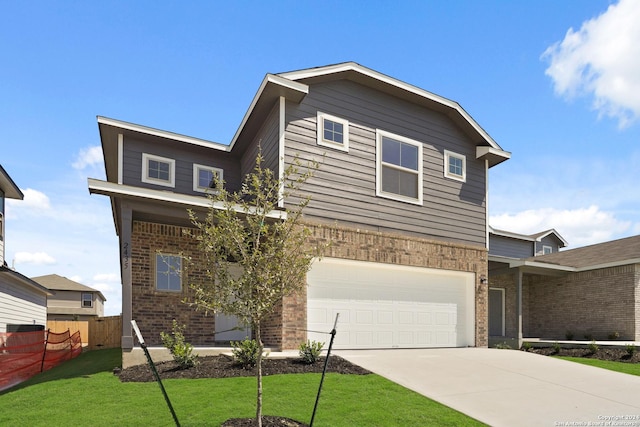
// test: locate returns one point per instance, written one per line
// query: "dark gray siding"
(549, 240)
(343, 190)
(185, 155)
(508, 247)
(267, 139)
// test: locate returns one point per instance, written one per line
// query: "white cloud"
(88, 157)
(34, 202)
(580, 227)
(602, 59)
(38, 258)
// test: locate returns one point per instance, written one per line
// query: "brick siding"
(285, 329)
(591, 304)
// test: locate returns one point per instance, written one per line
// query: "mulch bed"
(223, 366)
(612, 354)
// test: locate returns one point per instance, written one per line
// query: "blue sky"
(557, 83)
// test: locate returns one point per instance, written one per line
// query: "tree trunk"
(259, 375)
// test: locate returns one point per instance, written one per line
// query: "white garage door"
(387, 306)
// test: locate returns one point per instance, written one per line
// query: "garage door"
(387, 306)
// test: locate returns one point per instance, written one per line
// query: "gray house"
(23, 302)
(71, 300)
(401, 194)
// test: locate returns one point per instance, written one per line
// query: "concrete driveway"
(509, 387)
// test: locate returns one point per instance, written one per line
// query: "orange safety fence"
(25, 354)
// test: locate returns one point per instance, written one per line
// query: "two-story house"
(23, 302)
(401, 194)
(71, 300)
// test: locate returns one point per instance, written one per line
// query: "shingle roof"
(613, 252)
(58, 283)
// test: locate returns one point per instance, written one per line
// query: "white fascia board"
(492, 152)
(268, 79)
(511, 235)
(543, 265)
(610, 264)
(162, 133)
(106, 188)
(554, 232)
(352, 66)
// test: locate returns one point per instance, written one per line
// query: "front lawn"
(84, 391)
(623, 367)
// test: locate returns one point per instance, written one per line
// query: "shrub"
(245, 352)
(631, 349)
(588, 336)
(526, 346)
(614, 335)
(568, 335)
(181, 351)
(503, 346)
(593, 347)
(556, 347)
(310, 351)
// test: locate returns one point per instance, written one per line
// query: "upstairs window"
(455, 166)
(158, 170)
(87, 300)
(547, 250)
(206, 178)
(168, 273)
(333, 132)
(398, 167)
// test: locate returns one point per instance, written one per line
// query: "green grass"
(84, 391)
(623, 367)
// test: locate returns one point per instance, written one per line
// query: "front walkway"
(510, 387)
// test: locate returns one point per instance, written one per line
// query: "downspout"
(519, 306)
(125, 262)
(281, 134)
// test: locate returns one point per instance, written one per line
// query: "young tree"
(255, 253)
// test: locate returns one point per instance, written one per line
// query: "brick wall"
(361, 245)
(588, 304)
(285, 329)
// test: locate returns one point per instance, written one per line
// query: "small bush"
(631, 349)
(588, 336)
(245, 352)
(568, 335)
(593, 347)
(503, 346)
(614, 335)
(526, 346)
(556, 347)
(310, 351)
(181, 351)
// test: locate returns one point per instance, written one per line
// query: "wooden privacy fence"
(97, 333)
(105, 332)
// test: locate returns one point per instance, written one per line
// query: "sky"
(556, 83)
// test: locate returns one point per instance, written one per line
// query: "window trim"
(83, 300)
(171, 182)
(379, 165)
(547, 247)
(155, 272)
(196, 177)
(328, 143)
(447, 173)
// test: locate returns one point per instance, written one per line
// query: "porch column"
(125, 263)
(519, 306)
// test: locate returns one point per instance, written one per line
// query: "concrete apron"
(510, 387)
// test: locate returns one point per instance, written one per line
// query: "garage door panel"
(390, 306)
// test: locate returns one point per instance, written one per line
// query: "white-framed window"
(87, 300)
(547, 250)
(398, 167)
(333, 132)
(158, 170)
(168, 272)
(206, 178)
(455, 166)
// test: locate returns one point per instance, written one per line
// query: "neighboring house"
(585, 293)
(23, 302)
(71, 300)
(401, 194)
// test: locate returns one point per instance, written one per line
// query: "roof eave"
(11, 190)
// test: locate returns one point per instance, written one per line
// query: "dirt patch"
(612, 354)
(223, 366)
